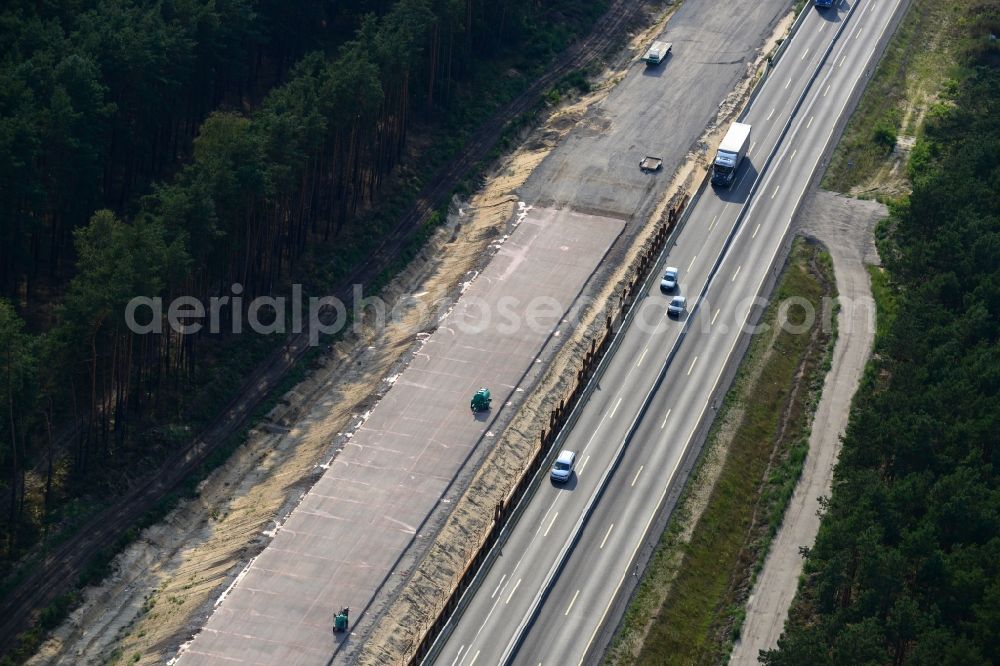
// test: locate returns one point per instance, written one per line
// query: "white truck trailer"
(657, 52)
(732, 150)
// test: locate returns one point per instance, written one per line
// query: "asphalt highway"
(545, 600)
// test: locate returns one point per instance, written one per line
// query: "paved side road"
(845, 226)
(658, 111)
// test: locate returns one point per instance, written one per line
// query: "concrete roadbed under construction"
(342, 541)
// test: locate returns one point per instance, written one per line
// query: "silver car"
(676, 306)
(669, 281)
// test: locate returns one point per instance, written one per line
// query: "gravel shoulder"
(845, 226)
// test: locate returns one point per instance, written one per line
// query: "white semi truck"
(732, 150)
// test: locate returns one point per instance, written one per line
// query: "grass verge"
(689, 605)
(917, 76)
(885, 301)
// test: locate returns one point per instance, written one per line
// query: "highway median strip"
(689, 606)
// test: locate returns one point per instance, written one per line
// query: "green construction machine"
(481, 400)
(340, 620)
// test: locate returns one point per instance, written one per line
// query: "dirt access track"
(845, 226)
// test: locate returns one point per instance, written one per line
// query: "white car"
(676, 306)
(562, 469)
(669, 281)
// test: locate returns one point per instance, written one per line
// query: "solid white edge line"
(737, 339)
(600, 622)
(664, 422)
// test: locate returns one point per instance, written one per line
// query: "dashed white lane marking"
(642, 357)
(691, 368)
(542, 522)
(499, 585)
(626, 573)
(607, 534)
(715, 316)
(636, 477)
(615, 408)
(755, 231)
(509, 597)
(551, 523)
(572, 601)
(736, 273)
(662, 425)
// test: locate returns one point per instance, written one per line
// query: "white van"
(562, 469)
